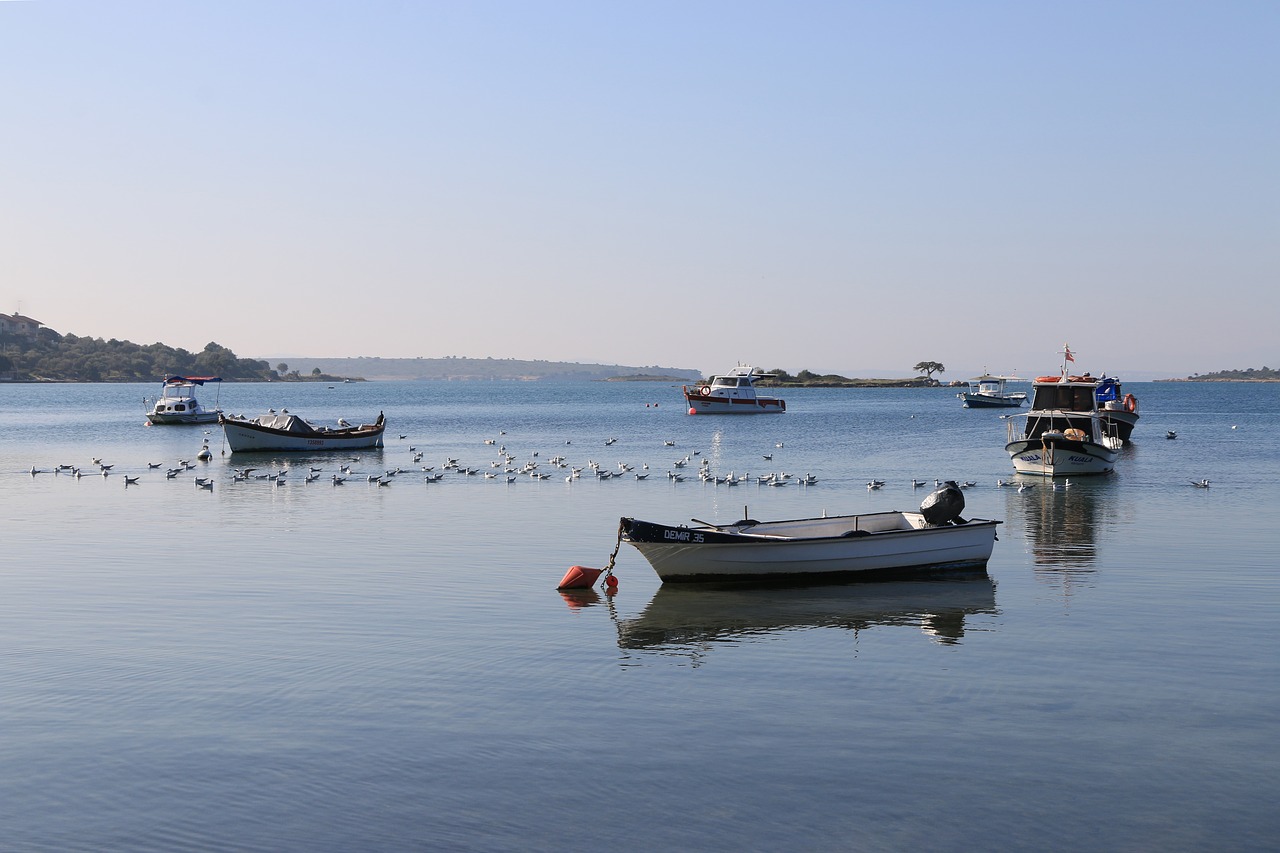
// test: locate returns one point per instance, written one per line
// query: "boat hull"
(1121, 422)
(166, 418)
(247, 436)
(715, 405)
(837, 548)
(1060, 458)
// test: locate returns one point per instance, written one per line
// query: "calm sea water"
(355, 667)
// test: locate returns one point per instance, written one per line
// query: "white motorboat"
(988, 392)
(866, 546)
(289, 432)
(733, 393)
(177, 403)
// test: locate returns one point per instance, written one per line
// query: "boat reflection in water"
(690, 617)
(1065, 526)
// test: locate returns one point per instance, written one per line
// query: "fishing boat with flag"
(1076, 425)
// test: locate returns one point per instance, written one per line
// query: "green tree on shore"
(928, 368)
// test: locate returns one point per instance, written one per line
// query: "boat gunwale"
(748, 538)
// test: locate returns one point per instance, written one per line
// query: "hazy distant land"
(40, 354)
(460, 368)
(1265, 374)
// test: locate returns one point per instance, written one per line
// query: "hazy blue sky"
(845, 186)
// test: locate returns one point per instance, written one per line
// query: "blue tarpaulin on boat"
(1107, 390)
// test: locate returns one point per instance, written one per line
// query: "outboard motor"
(943, 505)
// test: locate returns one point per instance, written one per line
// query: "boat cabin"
(731, 384)
(1066, 396)
(176, 398)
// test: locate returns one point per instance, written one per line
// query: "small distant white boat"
(988, 392)
(289, 432)
(177, 403)
(733, 393)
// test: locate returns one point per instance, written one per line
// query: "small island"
(1263, 374)
(779, 378)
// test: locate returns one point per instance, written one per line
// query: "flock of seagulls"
(509, 469)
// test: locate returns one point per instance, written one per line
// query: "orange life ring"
(705, 391)
(1130, 403)
(1048, 378)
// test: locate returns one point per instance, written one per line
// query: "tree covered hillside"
(49, 356)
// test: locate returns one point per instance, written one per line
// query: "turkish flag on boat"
(1067, 350)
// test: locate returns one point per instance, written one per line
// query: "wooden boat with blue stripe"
(734, 393)
(288, 432)
(841, 547)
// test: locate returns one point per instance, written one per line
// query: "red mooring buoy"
(579, 577)
(612, 583)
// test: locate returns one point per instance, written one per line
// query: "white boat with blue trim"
(988, 392)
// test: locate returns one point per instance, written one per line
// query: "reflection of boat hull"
(681, 615)
(837, 547)
(270, 434)
(1060, 457)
